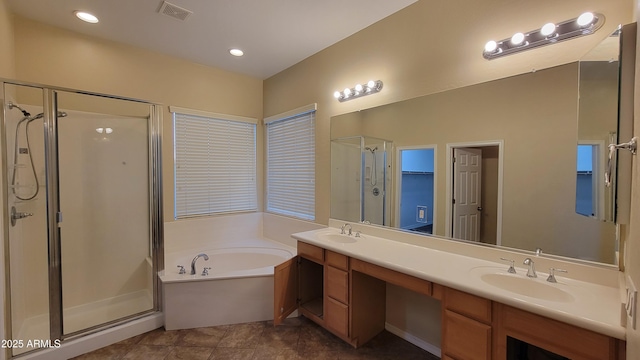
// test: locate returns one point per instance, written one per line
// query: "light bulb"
(517, 38)
(337, 94)
(236, 52)
(85, 16)
(100, 130)
(347, 92)
(490, 46)
(548, 29)
(108, 130)
(371, 84)
(585, 19)
(358, 88)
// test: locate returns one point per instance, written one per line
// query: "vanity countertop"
(595, 306)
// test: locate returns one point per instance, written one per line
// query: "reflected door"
(467, 194)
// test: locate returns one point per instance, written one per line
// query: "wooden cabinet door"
(337, 317)
(285, 295)
(465, 338)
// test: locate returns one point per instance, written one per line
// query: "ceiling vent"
(174, 11)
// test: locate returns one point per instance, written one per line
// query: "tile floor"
(298, 339)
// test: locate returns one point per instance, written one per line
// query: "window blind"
(215, 165)
(291, 165)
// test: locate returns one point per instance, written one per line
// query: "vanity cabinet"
(347, 296)
(551, 335)
(318, 283)
(299, 285)
(337, 293)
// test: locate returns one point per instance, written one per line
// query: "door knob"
(479, 208)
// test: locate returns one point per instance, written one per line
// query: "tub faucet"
(193, 262)
(531, 272)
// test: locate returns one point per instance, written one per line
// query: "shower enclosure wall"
(82, 211)
(360, 179)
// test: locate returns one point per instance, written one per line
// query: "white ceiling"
(274, 34)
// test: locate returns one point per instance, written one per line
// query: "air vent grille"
(174, 11)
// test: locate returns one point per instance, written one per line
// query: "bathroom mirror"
(521, 131)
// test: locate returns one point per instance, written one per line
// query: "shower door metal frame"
(156, 223)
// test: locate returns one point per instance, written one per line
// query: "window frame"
(248, 187)
(299, 209)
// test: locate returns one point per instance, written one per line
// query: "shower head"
(41, 115)
(12, 105)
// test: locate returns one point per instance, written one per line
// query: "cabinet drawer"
(338, 284)
(311, 252)
(337, 260)
(337, 317)
(470, 305)
(466, 338)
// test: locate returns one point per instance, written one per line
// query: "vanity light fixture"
(359, 90)
(236, 52)
(586, 24)
(85, 16)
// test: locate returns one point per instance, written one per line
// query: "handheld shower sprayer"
(28, 119)
(12, 105)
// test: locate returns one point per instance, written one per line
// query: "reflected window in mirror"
(416, 188)
(589, 187)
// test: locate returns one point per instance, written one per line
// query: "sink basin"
(338, 238)
(520, 284)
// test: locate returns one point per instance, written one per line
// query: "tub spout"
(193, 262)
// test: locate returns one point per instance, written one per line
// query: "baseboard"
(430, 348)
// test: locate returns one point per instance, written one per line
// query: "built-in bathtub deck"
(238, 288)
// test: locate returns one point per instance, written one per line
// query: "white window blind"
(215, 165)
(291, 165)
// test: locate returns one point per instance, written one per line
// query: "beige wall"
(632, 233)
(7, 68)
(54, 56)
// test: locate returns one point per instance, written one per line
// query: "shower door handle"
(59, 217)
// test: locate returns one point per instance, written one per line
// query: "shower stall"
(82, 212)
(360, 179)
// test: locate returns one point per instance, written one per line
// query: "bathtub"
(238, 288)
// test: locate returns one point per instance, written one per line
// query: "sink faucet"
(531, 272)
(344, 227)
(193, 262)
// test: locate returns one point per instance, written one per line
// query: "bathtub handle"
(205, 271)
(182, 270)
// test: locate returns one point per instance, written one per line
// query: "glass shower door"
(27, 208)
(104, 196)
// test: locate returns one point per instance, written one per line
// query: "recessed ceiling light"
(236, 52)
(85, 16)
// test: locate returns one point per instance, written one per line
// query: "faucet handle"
(182, 270)
(552, 274)
(512, 270)
(205, 271)
(357, 233)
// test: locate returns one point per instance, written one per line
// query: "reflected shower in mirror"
(359, 172)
